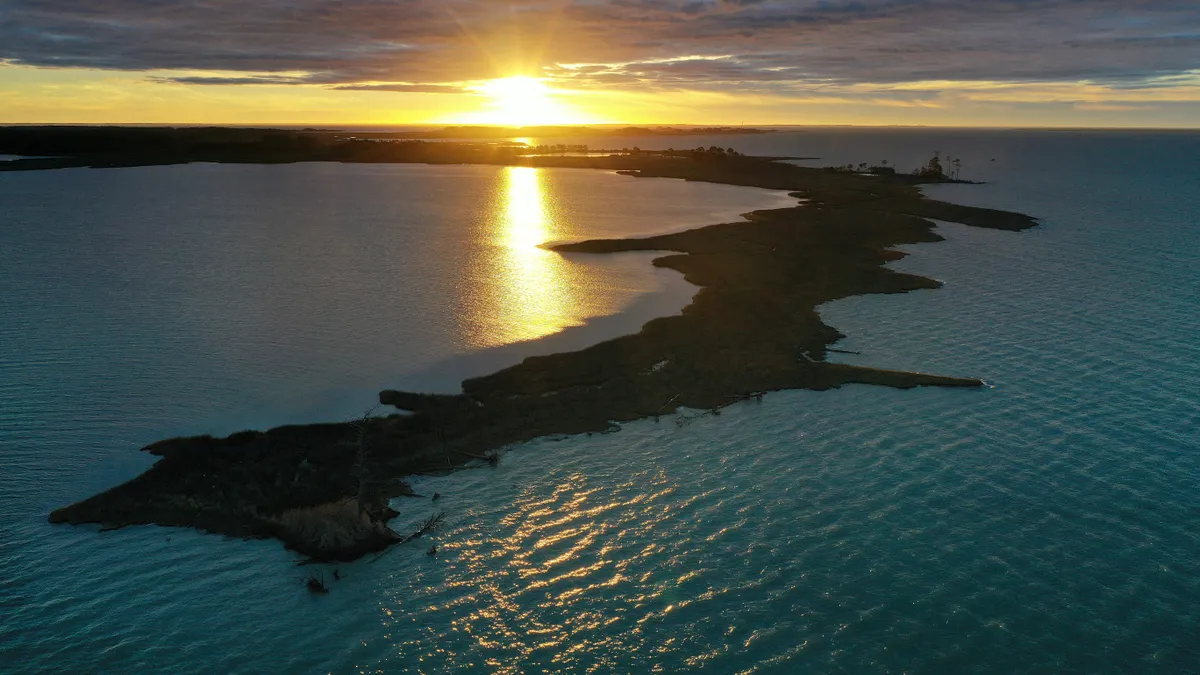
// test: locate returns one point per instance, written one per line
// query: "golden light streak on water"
(512, 290)
(532, 292)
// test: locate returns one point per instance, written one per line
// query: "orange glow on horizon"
(523, 101)
(35, 95)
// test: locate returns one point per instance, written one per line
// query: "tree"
(362, 457)
(933, 169)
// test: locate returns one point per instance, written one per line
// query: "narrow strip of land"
(753, 327)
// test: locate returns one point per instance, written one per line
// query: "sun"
(523, 101)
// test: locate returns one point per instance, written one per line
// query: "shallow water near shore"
(1049, 522)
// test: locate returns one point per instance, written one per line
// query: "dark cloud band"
(429, 45)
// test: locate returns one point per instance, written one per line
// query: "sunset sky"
(877, 62)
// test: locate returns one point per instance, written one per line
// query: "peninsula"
(753, 327)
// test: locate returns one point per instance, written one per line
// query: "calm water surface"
(1048, 523)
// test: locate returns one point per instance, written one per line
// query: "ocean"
(1050, 522)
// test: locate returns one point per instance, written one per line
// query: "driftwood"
(316, 584)
(668, 403)
(426, 527)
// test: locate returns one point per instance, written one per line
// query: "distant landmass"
(563, 131)
(59, 147)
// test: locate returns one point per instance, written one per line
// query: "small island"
(753, 327)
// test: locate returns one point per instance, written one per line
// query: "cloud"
(406, 88)
(220, 80)
(1113, 107)
(778, 46)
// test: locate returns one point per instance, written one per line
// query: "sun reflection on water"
(526, 217)
(554, 581)
(515, 291)
(531, 295)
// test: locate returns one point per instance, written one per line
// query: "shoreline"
(752, 327)
(446, 376)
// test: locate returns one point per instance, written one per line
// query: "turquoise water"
(1047, 523)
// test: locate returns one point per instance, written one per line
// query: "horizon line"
(436, 125)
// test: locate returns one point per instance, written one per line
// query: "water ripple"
(1049, 523)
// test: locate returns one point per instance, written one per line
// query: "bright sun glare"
(523, 101)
